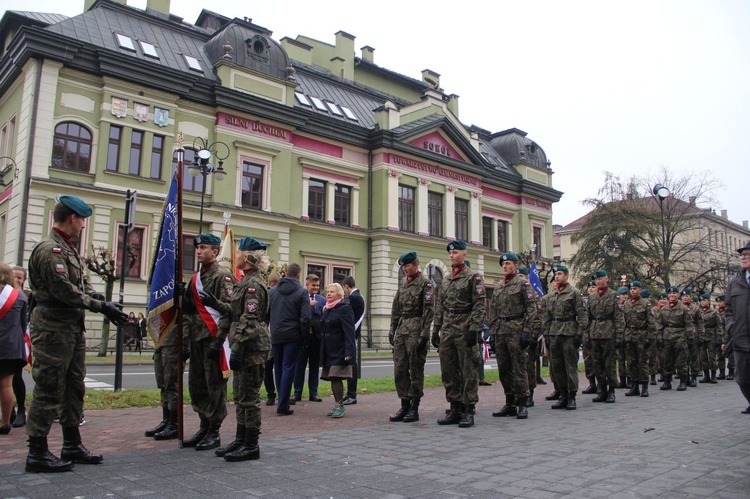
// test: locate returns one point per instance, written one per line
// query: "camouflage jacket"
(460, 307)
(711, 326)
(59, 286)
(639, 320)
(249, 304)
(695, 313)
(564, 314)
(413, 307)
(673, 323)
(219, 282)
(512, 307)
(605, 318)
(725, 336)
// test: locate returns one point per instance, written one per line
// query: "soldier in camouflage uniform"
(694, 356)
(588, 364)
(650, 355)
(604, 331)
(411, 316)
(459, 317)
(622, 358)
(61, 297)
(165, 370)
(658, 352)
(533, 352)
(711, 333)
(640, 333)
(555, 395)
(722, 361)
(564, 322)
(674, 328)
(204, 329)
(512, 315)
(250, 346)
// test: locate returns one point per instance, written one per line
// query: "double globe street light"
(663, 193)
(201, 166)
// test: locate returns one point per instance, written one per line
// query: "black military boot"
(554, 395)
(601, 396)
(571, 406)
(521, 412)
(239, 438)
(164, 421)
(467, 419)
(667, 383)
(628, 382)
(683, 383)
(399, 416)
(721, 374)
(634, 391)
(507, 410)
(562, 403)
(610, 395)
(662, 378)
(706, 377)
(249, 449)
(20, 420)
(692, 381)
(592, 386)
(653, 380)
(41, 460)
(530, 399)
(453, 416)
(730, 374)
(644, 389)
(73, 450)
(170, 432)
(198, 436)
(623, 382)
(412, 414)
(212, 439)
(713, 377)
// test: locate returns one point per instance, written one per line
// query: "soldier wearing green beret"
(694, 357)
(588, 364)
(411, 316)
(62, 295)
(205, 327)
(459, 317)
(723, 362)
(533, 368)
(674, 328)
(512, 317)
(640, 333)
(621, 357)
(711, 334)
(604, 333)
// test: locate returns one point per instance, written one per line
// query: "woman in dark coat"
(337, 344)
(13, 321)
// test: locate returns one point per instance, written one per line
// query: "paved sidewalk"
(698, 447)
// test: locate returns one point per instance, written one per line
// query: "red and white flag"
(210, 317)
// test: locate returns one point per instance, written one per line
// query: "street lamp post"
(201, 166)
(663, 193)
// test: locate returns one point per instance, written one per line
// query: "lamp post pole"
(201, 166)
(204, 174)
(663, 193)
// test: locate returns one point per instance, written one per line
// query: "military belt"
(604, 318)
(410, 315)
(563, 319)
(50, 304)
(675, 325)
(637, 328)
(458, 311)
(510, 318)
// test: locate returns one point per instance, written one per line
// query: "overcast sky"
(619, 86)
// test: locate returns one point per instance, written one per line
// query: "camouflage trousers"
(246, 384)
(588, 364)
(694, 358)
(58, 371)
(408, 366)
(208, 388)
(656, 359)
(532, 359)
(512, 364)
(564, 362)
(165, 370)
(622, 363)
(603, 358)
(708, 356)
(637, 360)
(676, 357)
(458, 368)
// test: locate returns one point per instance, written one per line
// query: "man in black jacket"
(290, 318)
(357, 303)
(738, 322)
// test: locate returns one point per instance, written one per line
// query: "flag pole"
(178, 297)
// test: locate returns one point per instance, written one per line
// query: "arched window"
(72, 147)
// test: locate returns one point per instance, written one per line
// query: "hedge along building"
(337, 163)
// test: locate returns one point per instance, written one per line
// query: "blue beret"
(456, 245)
(599, 273)
(592, 283)
(209, 239)
(720, 298)
(563, 268)
(663, 295)
(673, 289)
(76, 205)
(695, 299)
(408, 257)
(508, 257)
(467, 263)
(523, 270)
(685, 291)
(645, 293)
(705, 296)
(622, 290)
(250, 244)
(636, 284)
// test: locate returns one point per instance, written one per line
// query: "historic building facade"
(337, 163)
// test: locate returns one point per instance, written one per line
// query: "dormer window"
(125, 42)
(302, 99)
(193, 63)
(258, 48)
(149, 50)
(318, 104)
